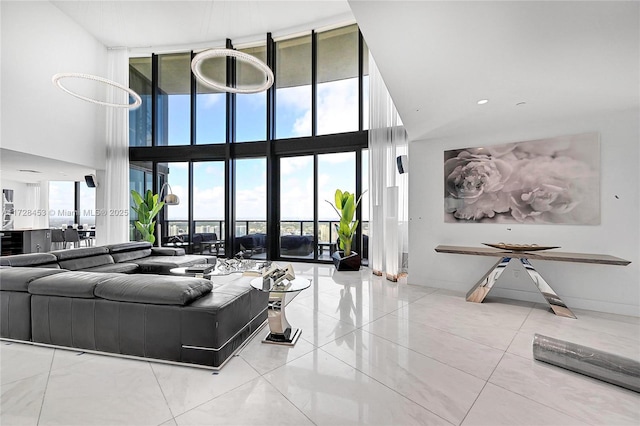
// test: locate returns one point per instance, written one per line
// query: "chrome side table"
(280, 331)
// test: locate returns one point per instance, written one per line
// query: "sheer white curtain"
(388, 240)
(35, 201)
(112, 195)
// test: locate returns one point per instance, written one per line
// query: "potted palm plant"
(345, 205)
(147, 208)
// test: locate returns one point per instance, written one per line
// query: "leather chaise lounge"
(100, 308)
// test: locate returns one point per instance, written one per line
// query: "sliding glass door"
(209, 202)
(335, 171)
(250, 225)
(297, 238)
(307, 221)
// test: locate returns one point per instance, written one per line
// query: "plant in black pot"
(147, 208)
(345, 205)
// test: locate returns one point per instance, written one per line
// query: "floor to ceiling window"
(87, 210)
(209, 198)
(337, 101)
(140, 180)
(61, 203)
(174, 178)
(297, 207)
(255, 169)
(335, 171)
(251, 109)
(293, 87)
(251, 207)
(140, 118)
(211, 104)
(173, 126)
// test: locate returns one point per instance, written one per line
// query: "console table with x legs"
(480, 290)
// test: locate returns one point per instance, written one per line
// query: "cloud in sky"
(208, 202)
(292, 165)
(338, 106)
(252, 203)
(210, 100)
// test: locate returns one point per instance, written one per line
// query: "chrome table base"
(484, 286)
(280, 331)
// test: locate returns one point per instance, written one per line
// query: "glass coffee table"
(280, 331)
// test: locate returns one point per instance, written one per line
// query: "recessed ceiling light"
(521, 103)
(483, 101)
(28, 171)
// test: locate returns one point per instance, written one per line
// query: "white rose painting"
(546, 181)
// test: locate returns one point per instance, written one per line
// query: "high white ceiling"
(564, 59)
(438, 58)
(144, 24)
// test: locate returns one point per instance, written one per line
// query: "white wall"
(39, 41)
(596, 287)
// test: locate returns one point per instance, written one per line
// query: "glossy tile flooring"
(371, 352)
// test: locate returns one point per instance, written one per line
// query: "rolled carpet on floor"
(591, 362)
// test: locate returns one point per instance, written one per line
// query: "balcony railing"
(326, 229)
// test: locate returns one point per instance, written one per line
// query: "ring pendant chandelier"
(137, 100)
(196, 67)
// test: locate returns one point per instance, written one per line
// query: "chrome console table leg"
(557, 305)
(280, 331)
(479, 291)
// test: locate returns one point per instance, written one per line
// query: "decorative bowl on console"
(520, 247)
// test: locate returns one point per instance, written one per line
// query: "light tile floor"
(371, 352)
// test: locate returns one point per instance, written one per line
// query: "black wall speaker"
(403, 164)
(91, 181)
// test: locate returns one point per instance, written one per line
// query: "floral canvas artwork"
(546, 181)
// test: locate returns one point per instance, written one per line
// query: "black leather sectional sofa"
(118, 301)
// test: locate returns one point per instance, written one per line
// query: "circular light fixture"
(196, 65)
(483, 101)
(137, 100)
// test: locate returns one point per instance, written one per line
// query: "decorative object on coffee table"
(244, 266)
(204, 268)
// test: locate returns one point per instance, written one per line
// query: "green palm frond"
(345, 206)
(147, 208)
